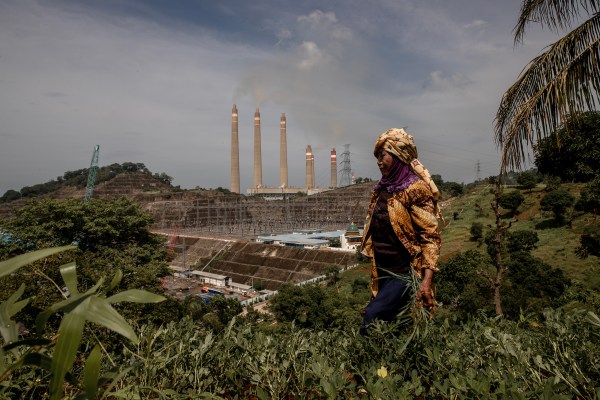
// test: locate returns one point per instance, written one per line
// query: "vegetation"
(562, 81)
(527, 180)
(511, 201)
(572, 152)
(79, 178)
(110, 235)
(448, 189)
(310, 347)
(589, 201)
(590, 242)
(476, 231)
(557, 201)
(56, 357)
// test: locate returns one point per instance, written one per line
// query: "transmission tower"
(478, 171)
(346, 170)
(89, 190)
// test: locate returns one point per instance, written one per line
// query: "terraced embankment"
(248, 262)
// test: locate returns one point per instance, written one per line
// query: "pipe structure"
(309, 168)
(333, 168)
(257, 152)
(235, 152)
(283, 166)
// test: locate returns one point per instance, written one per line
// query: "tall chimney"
(333, 168)
(235, 152)
(257, 154)
(309, 168)
(283, 167)
(312, 169)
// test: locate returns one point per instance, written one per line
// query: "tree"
(110, 234)
(532, 284)
(527, 180)
(10, 195)
(557, 201)
(521, 241)
(562, 80)
(589, 242)
(511, 201)
(589, 200)
(476, 231)
(572, 152)
(453, 189)
(308, 306)
(461, 283)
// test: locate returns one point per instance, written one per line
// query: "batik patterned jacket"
(414, 221)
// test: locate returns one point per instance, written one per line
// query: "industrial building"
(283, 190)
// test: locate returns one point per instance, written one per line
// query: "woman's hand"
(425, 293)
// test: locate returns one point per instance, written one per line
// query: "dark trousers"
(392, 296)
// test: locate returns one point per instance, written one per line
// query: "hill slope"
(556, 246)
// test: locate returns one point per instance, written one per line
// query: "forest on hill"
(79, 178)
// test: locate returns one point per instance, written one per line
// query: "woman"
(401, 228)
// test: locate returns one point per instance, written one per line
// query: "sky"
(154, 82)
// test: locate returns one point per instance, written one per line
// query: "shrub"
(527, 180)
(589, 242)
(557, 201)
(521, 241)
(589, 201)
(511, 201)
(476, 231)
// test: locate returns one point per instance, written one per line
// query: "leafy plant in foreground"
(58, 357)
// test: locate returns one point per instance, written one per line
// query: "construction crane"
(89, 190)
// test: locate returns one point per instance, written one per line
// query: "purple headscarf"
(399, 178)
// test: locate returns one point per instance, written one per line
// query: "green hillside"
(556, 245)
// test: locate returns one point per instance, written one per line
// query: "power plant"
(284, 189)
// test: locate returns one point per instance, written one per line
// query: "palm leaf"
(563, 80)
(556, 14)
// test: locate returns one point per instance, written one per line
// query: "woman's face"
(384, 162)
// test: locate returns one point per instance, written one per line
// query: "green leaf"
(136, 296)
(102, 313)
(11, 265)
(69, 275)
(91, 372)
(37, 359)
(115, 280)
(27, 342)
(65, 305)
(8, 308)
(70, 331)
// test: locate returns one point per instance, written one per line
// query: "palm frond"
(556, 14)
(563, 80)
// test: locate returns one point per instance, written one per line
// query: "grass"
(556, 246)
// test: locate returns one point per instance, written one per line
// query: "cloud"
(438, 82)
(311, 55)
(316, 17)
(478, 23)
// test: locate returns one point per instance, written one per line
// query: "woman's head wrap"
(402, 145)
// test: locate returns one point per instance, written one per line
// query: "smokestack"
(283, 167)
(235, 152)
(257, 154)
(333, 168)
(309, 168)
(312, 169)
